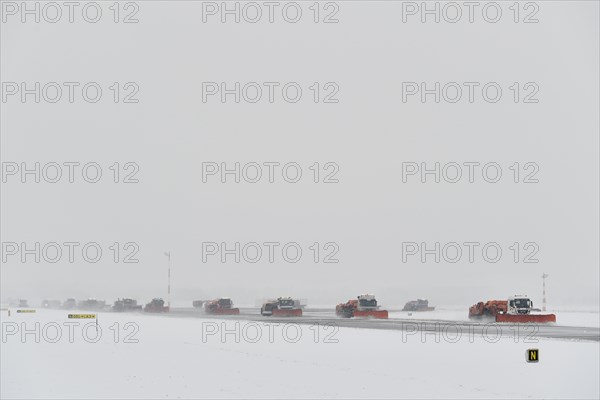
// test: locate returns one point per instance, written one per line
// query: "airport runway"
(490, 331)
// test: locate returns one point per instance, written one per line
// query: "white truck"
(519, 304)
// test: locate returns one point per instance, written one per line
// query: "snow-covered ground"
(190, 358)
(566, 318)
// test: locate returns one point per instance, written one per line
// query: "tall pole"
(168, 254)
(544, 276)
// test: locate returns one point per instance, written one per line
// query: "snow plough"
(91, 304)
(283, 306)
(516, 309)
(222, 306)
(365, 306)
(51, 304)
(70, 304)
(418, 305)
(157, 305)
(125, 304)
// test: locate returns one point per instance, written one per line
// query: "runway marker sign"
(82, 316)
(533, 355)
(85, 316)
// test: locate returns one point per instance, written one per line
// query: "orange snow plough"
(157, 305)
(516, 309)
(364, 307)
(283, 307)
(222, 306)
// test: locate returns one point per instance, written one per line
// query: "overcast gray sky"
(369, 133)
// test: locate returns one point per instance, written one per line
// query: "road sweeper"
(516, 309)
(365, 306)
(222, 306)
(283, 306)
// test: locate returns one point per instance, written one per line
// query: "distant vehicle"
(364, 306)
(126, 304)
(222, 306)
(23, 303)
(157, 305)
(418, 305)
(198, 303)
(51, 304)
(70, 304)
(92, 304)
(283, 306)
(516, 309)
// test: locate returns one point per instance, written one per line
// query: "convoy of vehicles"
(516, 309)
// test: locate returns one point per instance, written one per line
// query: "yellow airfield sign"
(82, 316)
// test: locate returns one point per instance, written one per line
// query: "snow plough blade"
(288, 313)
(378, 314)
(526, 318)
(226, 311)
